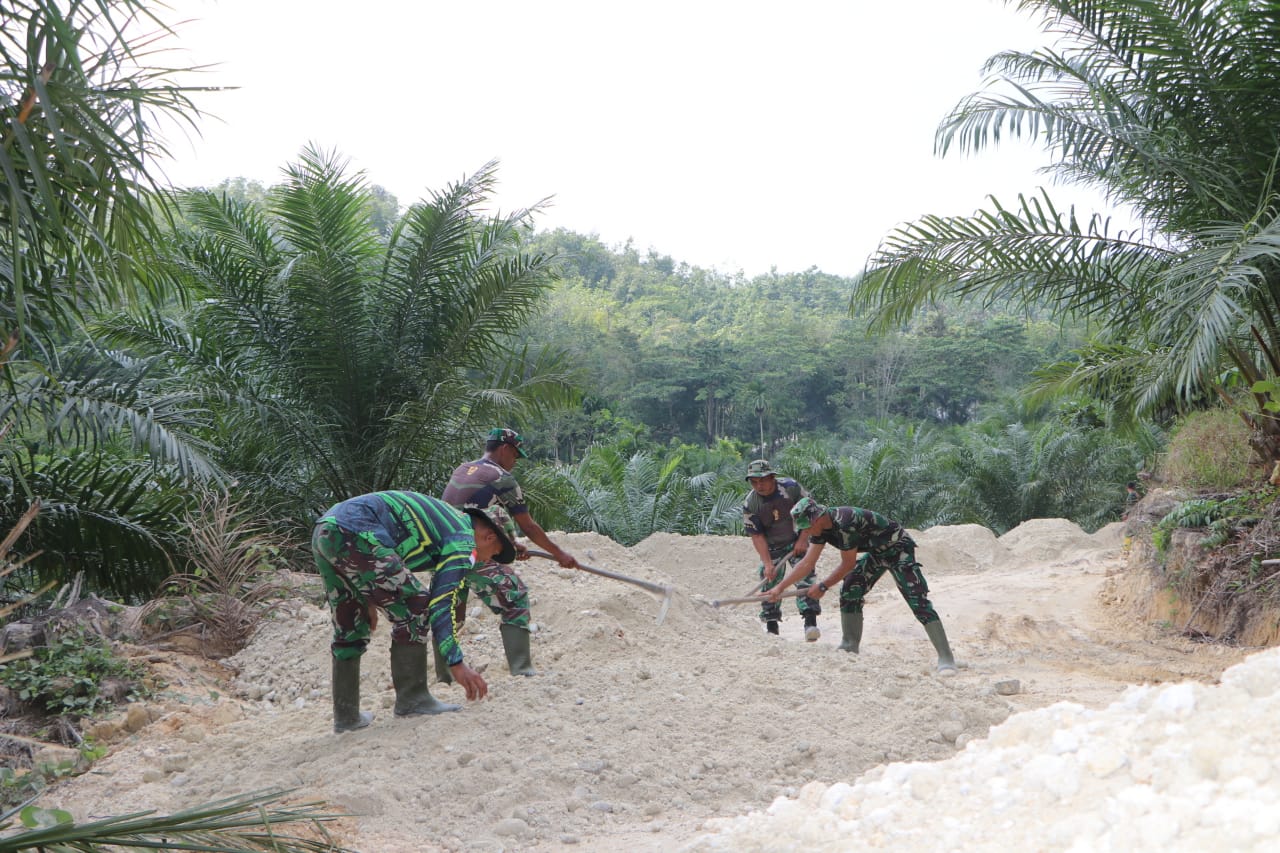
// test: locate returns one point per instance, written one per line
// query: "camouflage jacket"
(482, 483)
(858, 529)
(770, 516)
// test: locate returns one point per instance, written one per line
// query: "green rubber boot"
(442, 667)
(409, 677)
(938, 636)
(515, 642)
(347, 715)
(850, 631)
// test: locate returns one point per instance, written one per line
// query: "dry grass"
(1210, 450)
(233, 578)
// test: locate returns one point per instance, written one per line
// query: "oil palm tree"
(1171, 108)
(79, 101)
(83, 85)
(343, 362)
(629, 497)
(894, 472)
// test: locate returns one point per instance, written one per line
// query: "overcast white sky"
(734, 135)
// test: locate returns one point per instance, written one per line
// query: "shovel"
(660, 590)
(748, 599)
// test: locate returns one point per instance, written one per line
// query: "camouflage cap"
(502, 435)
(500, 520)
(760, 468)
(805, 511)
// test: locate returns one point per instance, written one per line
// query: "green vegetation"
(67, 676)
(1170, 108)
(243, 824)
(1210, 450)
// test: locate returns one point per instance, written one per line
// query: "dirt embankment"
(636, 734)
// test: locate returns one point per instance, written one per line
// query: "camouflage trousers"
(900, 562)
(771, 611)
(359, 571)
(502, 591)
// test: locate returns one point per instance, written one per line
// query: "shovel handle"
(748, 599)
(605, 573)
(777, 564)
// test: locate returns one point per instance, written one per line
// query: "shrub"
(1209, 450)
(69, 675)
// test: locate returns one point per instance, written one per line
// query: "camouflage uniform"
(770, 517)
(482, 483)
(886, 547)
(366, 550)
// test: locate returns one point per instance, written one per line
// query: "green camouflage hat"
(500, 520)
(502, 435)
(759, 468)
(805, 511)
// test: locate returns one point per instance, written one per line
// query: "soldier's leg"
(351, 629)
(809, 608)
(770, 611)
(380, 577)
(507, 596)
(908, 575)
(338, 560)
(853, 593)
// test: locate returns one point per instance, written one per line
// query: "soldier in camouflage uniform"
(766, 517)
(487, 482)
(869, 545)
(366, 550)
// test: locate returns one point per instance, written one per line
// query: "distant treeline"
(685, 354)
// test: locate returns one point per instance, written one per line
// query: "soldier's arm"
(534, 531)
(798, 571)
(848, 559)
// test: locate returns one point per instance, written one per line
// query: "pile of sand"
(1044, 539)
(1184, 767)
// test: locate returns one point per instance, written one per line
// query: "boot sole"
(443, 709)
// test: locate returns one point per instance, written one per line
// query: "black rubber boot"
(347, 715)
(811, 630)
(515, 642)
(771, 626)
(938, 636)
(850, 631)
(442, 667)
(409, 677)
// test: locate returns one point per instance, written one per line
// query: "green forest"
(274, 349)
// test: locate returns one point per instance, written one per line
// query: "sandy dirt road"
(636, 734)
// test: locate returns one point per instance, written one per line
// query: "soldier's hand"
(371, 613)
(770, 573)
(568, 561)
(470, 680)
(522, 551)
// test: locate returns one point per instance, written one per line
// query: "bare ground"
(637, 733)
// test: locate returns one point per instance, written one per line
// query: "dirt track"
(636, 734)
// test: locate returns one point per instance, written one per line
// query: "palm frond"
(249, 823)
